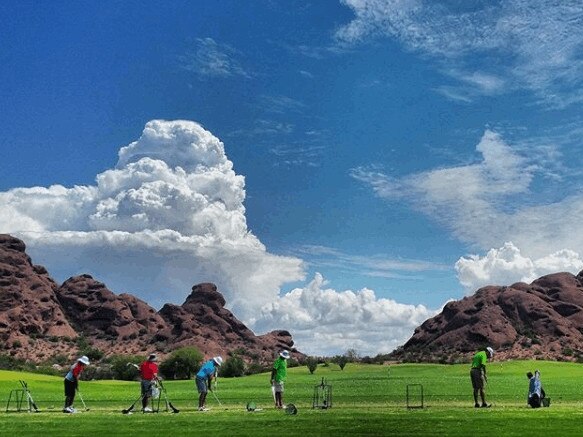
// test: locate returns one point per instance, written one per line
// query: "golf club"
(168, 403)
(129, 410)
(29, 396)
(220, 403)
(82, 401)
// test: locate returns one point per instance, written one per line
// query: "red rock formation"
(29, 309)
(540, 320)
(204, 316)
(38, 319)
(118, 324)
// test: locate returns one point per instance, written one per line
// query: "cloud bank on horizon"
(171, 214)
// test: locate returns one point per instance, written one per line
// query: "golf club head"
(128, 410)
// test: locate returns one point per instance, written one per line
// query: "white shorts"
(278, 387)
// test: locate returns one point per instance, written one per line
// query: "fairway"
(367, 400)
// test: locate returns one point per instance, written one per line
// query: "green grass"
(367, 400)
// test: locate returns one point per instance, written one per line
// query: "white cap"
(284, 354)
(490, 351)
(84, 360)
(218, 360)
(152, 357)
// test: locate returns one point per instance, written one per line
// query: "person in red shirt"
(72, 382)
(149, 374)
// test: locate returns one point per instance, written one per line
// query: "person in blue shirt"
(536, 392)
(204, 377)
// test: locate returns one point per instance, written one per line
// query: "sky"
(339, 168)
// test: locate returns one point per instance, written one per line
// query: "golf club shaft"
(133, 405)
(220, 403)
(82, 401)
(168, 403)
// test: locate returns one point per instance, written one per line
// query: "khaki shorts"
(278, 387)
(477, 377)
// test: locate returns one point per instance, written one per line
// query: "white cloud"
(488, 203)
(280, 104)
(326, 321)
(171, 215)
(507, 265)
(374, 265)
(211, 59)
(297, 155)
(533, 44)
(168, 216)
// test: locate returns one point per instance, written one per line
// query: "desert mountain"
(40, 319)
(543, 320)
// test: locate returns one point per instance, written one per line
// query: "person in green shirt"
(478, 375)
(278, 374)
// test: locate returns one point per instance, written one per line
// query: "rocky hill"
(40, 319)
(541, 320)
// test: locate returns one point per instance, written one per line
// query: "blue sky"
(377, 157)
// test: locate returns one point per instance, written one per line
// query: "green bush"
(122, 367)
(255, 368)
(92, 353)
(340, 360)
(10, 363)
(312, 364)
(183, 363)
(232, 367)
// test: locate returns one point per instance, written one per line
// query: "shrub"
(255, 368)
(183, 363)
(122, 368)
(232, 367)
(59, 359)
(312, 364)
(340, 360)
(292, 362)
(92, 353)
(10, 363)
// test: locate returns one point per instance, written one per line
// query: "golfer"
(478, 375)
(278, 375)
(204, 377)
(149, 374)
(72, 383)
(536, 392)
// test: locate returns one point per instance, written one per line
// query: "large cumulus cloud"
(171, 214)
(506, 265)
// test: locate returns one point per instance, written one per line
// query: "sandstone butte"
(40, 319)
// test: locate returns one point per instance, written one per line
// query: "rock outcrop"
(40, 319)
(543, 320)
